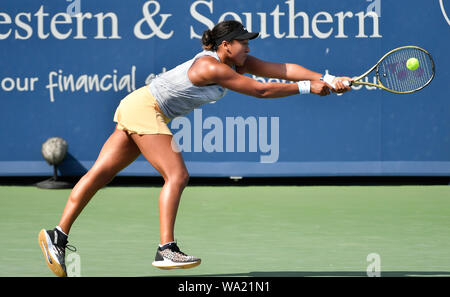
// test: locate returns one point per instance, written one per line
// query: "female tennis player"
(142, 119)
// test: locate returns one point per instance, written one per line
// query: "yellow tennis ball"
(412, 64)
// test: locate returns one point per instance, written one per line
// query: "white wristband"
(304, 87)
(328, 78)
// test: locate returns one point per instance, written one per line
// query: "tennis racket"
(393, 75)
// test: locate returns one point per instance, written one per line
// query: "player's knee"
(180, 178)
(101, 176)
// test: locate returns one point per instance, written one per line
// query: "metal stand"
(53, 182)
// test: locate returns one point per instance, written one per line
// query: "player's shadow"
(328, 274)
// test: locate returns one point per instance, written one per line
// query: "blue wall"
(361, 133)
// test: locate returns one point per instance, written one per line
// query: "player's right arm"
(287, 71)
(208, 70)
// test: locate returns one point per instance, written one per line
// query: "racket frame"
(380, 85)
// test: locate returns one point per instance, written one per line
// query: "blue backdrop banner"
(66, 65)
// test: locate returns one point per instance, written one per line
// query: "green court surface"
(239, 231)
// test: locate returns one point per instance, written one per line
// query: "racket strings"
(394, 74)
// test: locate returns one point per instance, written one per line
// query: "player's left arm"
(286, 71)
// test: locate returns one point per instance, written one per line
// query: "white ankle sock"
(59, 228)
(161, 245)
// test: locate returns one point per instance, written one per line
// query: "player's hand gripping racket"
(403, 70)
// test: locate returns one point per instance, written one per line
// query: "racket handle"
(345, 82)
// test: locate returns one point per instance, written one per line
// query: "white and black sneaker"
(53, 244)
(169, 256)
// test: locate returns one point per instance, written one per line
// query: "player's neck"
(224, 58)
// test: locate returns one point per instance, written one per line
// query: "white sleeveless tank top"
(177, 95)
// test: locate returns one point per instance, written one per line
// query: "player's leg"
(157, 149)
(118, 152)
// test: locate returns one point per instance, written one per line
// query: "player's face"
(239, 50)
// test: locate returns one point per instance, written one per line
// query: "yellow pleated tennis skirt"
(139, 113)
